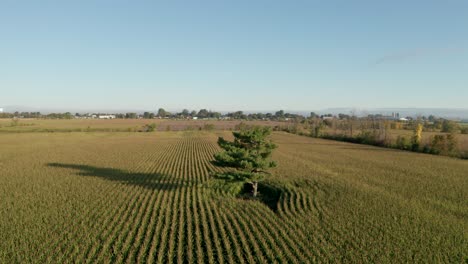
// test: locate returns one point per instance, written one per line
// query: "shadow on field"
(153, 181)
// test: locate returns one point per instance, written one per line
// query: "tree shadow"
(152, 181)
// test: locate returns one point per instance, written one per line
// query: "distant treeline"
(374, 130)
(163, 114)
(208, 114)
(430, 123)
(37, 115)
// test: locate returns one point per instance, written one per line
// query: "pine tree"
(249, 154)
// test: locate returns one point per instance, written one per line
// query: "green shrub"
(316, 130)
(449, 126)
(438, 144)
(464, 154)
(444, 145)
(402, 143)
(208, 127)
(149, 127)
(241, 126)
(14, 122)
(366, 137)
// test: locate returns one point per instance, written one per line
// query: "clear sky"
(229, 55)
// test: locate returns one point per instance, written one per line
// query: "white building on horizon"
(106, 116)
(1, 110)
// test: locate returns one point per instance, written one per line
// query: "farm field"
(146, 197)
(132, 125)
(119, 125)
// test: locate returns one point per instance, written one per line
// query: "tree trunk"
(255, 188)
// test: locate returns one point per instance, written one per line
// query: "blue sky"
(229, 55)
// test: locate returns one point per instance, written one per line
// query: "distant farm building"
(1, 110)
(106, 117)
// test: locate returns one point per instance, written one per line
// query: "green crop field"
(149, 197)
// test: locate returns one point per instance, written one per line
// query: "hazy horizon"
(456, 113)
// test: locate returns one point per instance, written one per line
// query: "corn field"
(146, 198)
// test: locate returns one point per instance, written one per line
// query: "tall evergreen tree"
(249, 154)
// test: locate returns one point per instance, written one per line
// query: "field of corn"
(119, 125)
(146, 197)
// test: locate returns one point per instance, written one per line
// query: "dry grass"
(123, 125)
(128, 197)
(462, 139)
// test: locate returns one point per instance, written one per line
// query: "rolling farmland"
(146, 197)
